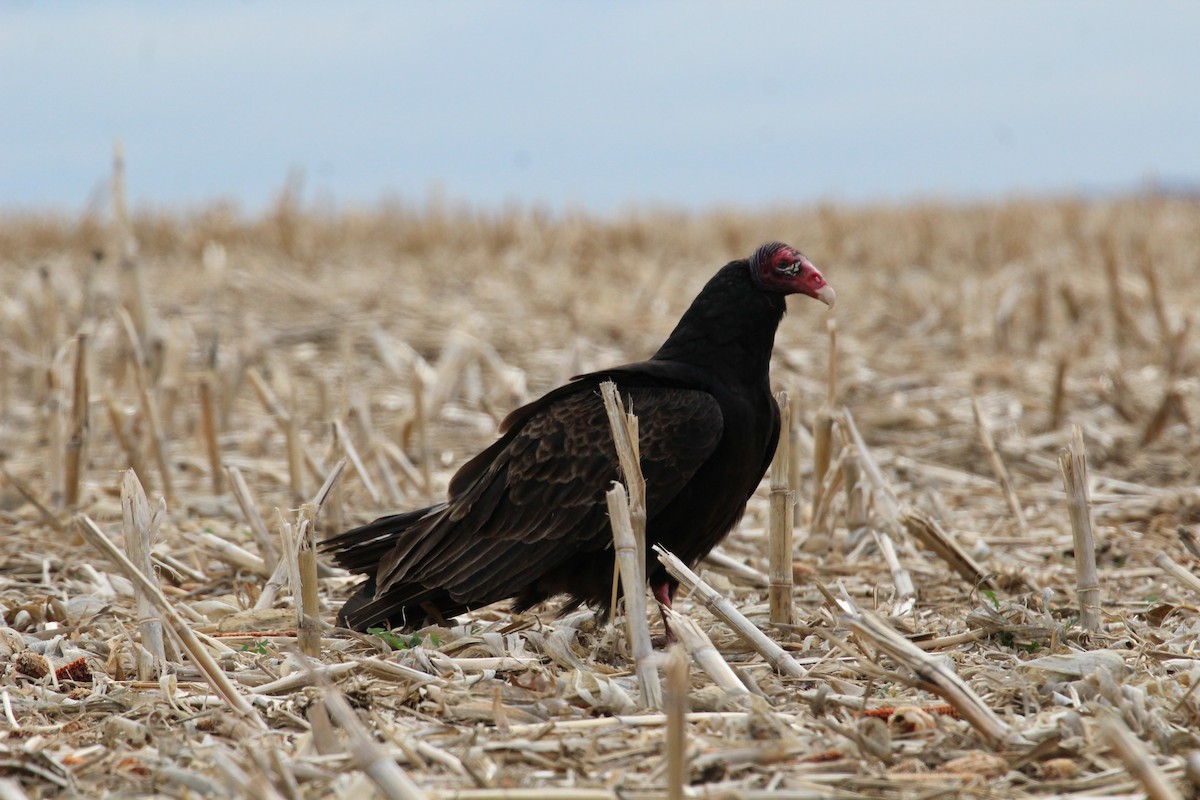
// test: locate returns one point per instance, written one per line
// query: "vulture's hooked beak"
(826, 295)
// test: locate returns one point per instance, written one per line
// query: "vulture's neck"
(729, 328)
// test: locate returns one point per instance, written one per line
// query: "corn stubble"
(935, 489)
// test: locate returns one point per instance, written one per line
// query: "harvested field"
(235, 364)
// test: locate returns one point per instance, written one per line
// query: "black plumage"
(526, 518)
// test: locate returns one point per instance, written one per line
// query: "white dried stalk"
(321, 498)
(140, 529)
(425, 751)
(839, 605)
(322, 495)
(290, 562)
(779, 525)
(212, 672)
(901, 578)
(177, 567)
(11, 790)
(1181, 574)
(705, 654)
(270, 591)
(232, 554)
(625, 437)
(935, 675)
(724, 609)
(637, 627)
(1073, 463)
(998, 467)
(721, 562)
(447, 663)
(309, 677)
(266, 546)
(1136, 760)
(676, 707)
(339, 432)
(628, 519)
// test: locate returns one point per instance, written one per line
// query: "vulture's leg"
(662, 593)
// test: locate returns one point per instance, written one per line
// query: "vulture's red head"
(778, 268)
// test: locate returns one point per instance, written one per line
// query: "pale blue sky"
(595, 105)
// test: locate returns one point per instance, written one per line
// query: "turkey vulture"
(527, 518)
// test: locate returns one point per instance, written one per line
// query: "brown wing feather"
(538, 499)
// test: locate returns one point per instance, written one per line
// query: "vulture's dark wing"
(536, 497)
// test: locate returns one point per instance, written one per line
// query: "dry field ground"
(233, 364)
